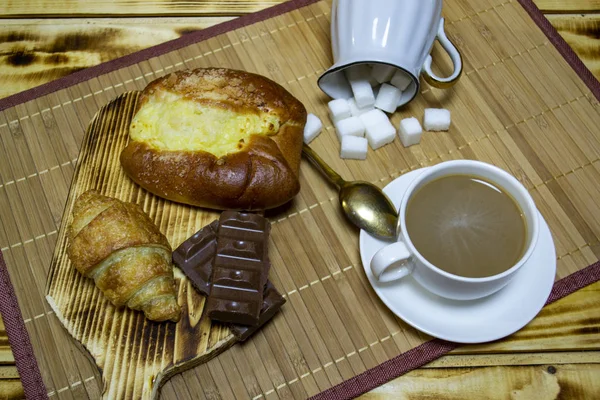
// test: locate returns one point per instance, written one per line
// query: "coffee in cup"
(464, 230)
(466, 225)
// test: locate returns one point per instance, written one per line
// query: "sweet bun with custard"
(216, 138)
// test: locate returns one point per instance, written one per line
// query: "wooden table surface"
(556, 356)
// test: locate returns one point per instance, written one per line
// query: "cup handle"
(433, 79)
(393, 255)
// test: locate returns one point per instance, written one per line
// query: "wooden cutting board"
(134, 355)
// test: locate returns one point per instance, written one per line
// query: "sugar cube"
(312, 128)
(388, 98)
(354, 147)
(363, 93)
(352, 126)
(358, 76)
(401, 79)
(378, 128)
(382, 72)
(374, 117)
(436, 119)
(410, 131)
(380, 134)
(354, 108)
(338, 110)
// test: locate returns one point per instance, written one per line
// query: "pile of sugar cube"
(361, 121)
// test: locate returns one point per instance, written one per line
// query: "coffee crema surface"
(466, 226)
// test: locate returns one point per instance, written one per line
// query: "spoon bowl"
(366, 208)
(363, 203)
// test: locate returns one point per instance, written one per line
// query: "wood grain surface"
(82, 8)
(582, 32)
(10, 385)
(135, 355)
(34, 51)
(568, 6)
(539, 382)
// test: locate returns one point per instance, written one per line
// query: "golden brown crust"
(130, 271)
(119, 226)
(120, 247)
(86, 208)
(256, 178)
(262, 173)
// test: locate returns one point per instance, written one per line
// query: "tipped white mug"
(401, 259)
(399, 33)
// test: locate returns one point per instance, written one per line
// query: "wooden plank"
(568, 6)
(79, 8)
(515, 359)
(581, 33)
(33, 52)
(6, 356)
(10, 384)
(543, 382)
(129, 350)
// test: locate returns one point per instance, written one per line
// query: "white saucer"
(473, 321)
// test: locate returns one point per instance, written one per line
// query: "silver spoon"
(365, 205)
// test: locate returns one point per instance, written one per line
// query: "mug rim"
(402, 235)
(339, 67)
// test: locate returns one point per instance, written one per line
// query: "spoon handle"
(333, 176)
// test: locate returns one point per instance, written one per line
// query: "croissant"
(118, 246)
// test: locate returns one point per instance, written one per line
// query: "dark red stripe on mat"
(574, 282)
(33, 385)
(388, 370)
(154, 51)
(563, 47)
(436, 348)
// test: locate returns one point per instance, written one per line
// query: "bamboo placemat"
(519, 105)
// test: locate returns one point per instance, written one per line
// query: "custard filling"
(172, 122)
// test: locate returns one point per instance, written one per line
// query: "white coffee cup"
(399, 33)
(401, 259)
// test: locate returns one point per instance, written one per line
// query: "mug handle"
(394, 254)
(430, 77)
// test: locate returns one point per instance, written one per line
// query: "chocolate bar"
(195, 256)
(272, 302)
(240, 269)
